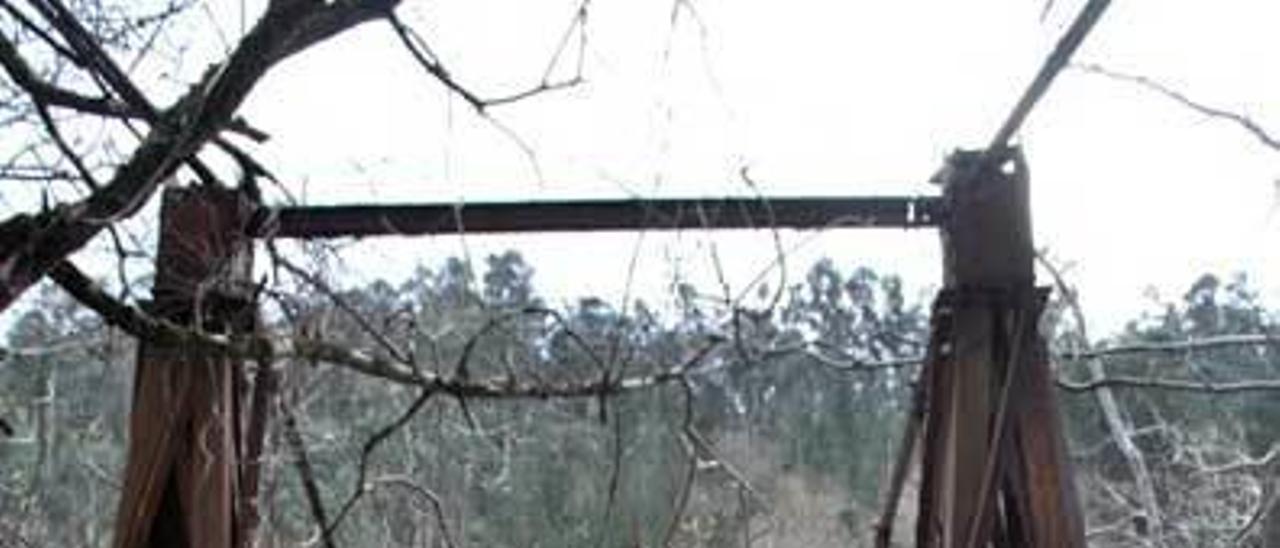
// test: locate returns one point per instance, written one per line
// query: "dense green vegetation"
(771, 442)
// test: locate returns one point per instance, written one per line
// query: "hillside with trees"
(184, 365)
(783, 437)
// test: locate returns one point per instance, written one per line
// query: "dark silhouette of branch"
(32, 244)
(26, 23)
(46, 94)
(306, 474)
(681, 502)
(362, 487)
(615, 465)
(1249, 125)
(427, 59)
(541, 88)
(432, 64)
(92, 55)
(51, 127)
(24, 77)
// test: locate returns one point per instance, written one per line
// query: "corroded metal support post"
(181, 475)
(995, 465)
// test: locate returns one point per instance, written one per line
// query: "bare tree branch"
(50, 95)
(1249, 125)
(91, 53)
(1173, 347)
(32, 244)
(1117, 420)
(422, 53)
(27, 23)
(681, 502)
(361, 321)
(1175, 385)
(24, 76)
(306, 474)
(310, 350)
(363, 487)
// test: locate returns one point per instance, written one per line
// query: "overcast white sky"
(815, 97)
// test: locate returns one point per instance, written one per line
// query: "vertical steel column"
(180, 477)
(995, 466)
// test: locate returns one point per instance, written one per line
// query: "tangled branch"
(308, 349)
(33, 244)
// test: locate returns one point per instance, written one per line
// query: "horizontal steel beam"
(597, 215)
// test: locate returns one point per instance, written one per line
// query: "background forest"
(466, 405)
(782, 438)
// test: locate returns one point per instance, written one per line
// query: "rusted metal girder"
(180, 476)
(995, 467)
(597, 215)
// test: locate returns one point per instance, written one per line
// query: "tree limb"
(32, 244)
(1176, 385)
(1172, 347)
(311, 350)
(25, 77)
(306, 473)
(1249, 125)
(1115, 416)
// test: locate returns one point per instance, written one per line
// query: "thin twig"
(363, 487)
(615, 470)
(686, 486)
(421, 52)
(312, 350)
(36, 243)
(306, 474)
(418, 48)
(1249, 125)
(362, 322)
